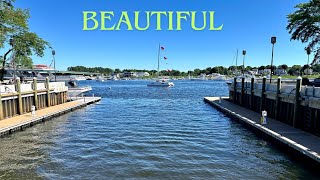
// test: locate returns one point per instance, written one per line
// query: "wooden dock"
(295, 140)
(20, 122)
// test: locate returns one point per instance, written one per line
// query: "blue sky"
(248, 24)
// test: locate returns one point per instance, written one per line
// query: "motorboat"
(74, 90)
(218, 77)
(202, 77)
(161, 83)
(101, 79)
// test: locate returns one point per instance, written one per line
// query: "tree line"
(293, 70)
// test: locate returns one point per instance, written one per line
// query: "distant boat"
(88, 78)
(114, 78)
(77, 77)
(202, 77)
(101, 79)
(218, 77)
(160, 82)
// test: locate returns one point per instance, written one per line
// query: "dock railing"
(19, 98)
(285, 100)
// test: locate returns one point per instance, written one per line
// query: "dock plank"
(306, 143)
(10, 124)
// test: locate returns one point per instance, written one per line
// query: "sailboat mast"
(159, 60)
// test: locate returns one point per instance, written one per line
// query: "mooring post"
(235, 90)
(263, 91)
(48, 92)
(277, 109)
(35, 93)
(18, 83)
(242, 91)
(252, 93)
(1, 110)
(297, 102)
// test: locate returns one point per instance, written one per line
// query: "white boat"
(78, 77)
(202, 77)
(114, 78)
(218, 77)
(74, 90)
(101, 79)
(160, 82)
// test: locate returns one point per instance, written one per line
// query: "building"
(135, 74)
(42, 67)
(264, 71)
(310, 71)
(128, 74)
(280, 72)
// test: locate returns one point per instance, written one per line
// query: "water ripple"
(137, 132)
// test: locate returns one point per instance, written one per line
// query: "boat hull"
(160, 84)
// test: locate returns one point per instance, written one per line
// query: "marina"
(164, 95)
(126, 136)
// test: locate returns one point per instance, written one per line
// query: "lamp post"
(244, 52)
(273, 41)
(54, 65)
(308, 52)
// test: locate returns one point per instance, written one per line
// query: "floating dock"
(20, 122)
(304, 144)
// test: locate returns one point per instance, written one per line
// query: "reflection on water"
(143, 132)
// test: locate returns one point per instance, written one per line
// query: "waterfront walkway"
(16, 123)
(301, 141)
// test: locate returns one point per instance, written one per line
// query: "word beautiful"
(172, 20)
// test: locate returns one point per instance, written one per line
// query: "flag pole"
(159, 61)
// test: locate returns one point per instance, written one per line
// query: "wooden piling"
(1, 110)
(242, 91)
(20, 107)
(48, 92)
(252, 94)
(277, 108)
(35, 93)
(263, 94)
(235, 90)
(297, 102)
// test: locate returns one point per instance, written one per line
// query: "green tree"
(261, 68)
(196, 72)
(14, 26)
(304, 26)
(283, 66)
(316, 68)
(248, 68)
(295, 69)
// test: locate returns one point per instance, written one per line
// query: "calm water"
(146, 133)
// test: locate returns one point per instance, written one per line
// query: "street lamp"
(273, 41)
(244, 52)
(53, 52)
(54, 65)
(308, 52)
